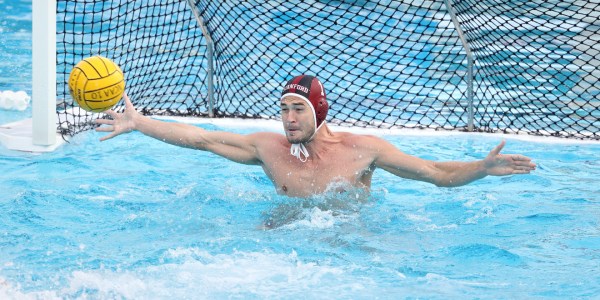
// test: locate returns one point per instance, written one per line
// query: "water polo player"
(309, 157)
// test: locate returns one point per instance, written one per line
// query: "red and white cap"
(310, 89)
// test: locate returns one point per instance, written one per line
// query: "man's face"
(298, 120)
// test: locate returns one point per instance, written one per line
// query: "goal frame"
(39, 133)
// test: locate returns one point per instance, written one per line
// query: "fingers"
(113, 114)
(517, 157)
(128, 104)
(116, 119)
(498, 148)
(104, 121)
(521, 171)
(105, 129)
(523, 167)
(110, 136)
(521, 160)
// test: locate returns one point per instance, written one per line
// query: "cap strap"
(299, 150)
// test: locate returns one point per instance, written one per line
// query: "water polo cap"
(310, 89)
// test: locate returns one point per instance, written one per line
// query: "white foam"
(315, 218)
(203, 275)
(485, 212)
(416, 218)
(185, 191)
(192, 273)
(434, 227)
(450, 286)
(10, 292)
(127, 285)
(10, 100)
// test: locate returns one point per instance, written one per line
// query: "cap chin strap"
(299, 150)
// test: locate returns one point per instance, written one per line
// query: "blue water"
(134, 218)
(15, 52)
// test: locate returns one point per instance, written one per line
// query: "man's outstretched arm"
(452, 173)
(236, 147)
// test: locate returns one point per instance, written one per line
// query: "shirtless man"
(310, 156)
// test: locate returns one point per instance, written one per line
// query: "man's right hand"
(121, 122)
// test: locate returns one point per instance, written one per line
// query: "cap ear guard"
(321, 110)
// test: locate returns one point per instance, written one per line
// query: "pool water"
(135, 218)
(15, 53)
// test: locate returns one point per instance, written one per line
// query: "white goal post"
(39, 134)
(44, 73)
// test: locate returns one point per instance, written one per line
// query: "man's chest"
(293, 177)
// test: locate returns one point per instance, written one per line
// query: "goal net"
(384, 64)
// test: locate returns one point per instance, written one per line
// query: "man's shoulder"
(360, 141)
(266, 137)
(355, 137)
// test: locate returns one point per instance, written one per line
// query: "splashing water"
(10, 100)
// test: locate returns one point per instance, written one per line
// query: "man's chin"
(296, 140)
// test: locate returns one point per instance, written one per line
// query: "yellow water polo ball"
(96, 83)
